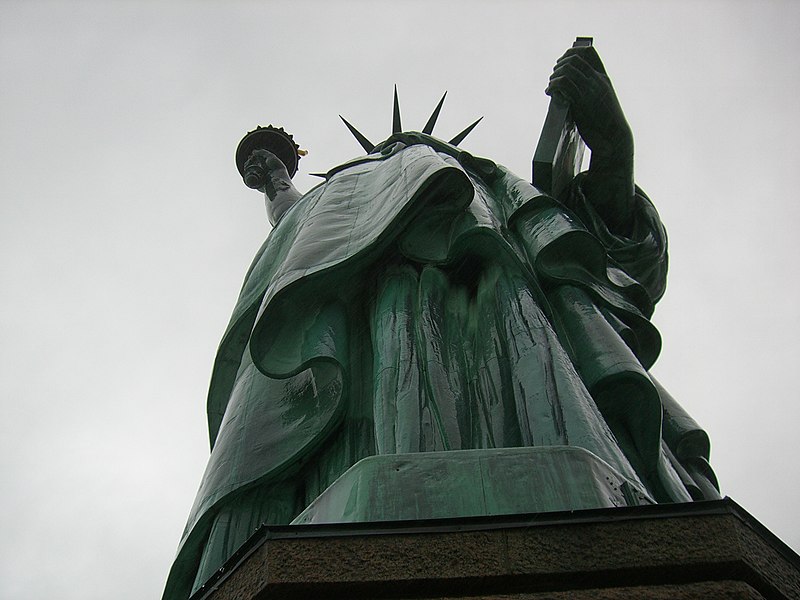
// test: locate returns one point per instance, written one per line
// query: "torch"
(273, 139)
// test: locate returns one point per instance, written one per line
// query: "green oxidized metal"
(424, 300)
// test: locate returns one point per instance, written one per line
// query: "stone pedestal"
(697, 550)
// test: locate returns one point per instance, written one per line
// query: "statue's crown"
(398, 128)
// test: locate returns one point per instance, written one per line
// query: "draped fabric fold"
(422, 299)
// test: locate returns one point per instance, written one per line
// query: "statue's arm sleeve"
(642, 251)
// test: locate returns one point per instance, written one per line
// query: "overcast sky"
(126, 230)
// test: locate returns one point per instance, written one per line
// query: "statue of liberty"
(424, 300)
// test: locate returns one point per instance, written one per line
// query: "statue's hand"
(265, 172)
(580, 80)
(263, 167)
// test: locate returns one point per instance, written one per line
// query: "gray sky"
(126, 230)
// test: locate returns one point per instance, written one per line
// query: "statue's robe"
(422, 299)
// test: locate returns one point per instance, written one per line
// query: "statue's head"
(253, 164)
(423, 137)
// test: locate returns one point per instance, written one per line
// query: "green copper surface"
(559, 153)
(471, 483)
(423, 300)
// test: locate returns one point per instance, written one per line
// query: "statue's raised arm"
(265, 172)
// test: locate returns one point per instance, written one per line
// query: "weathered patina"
(425, 300)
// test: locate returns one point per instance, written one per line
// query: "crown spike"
(460, 137)
(365, 143)
(396, 126)
(432, 120)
